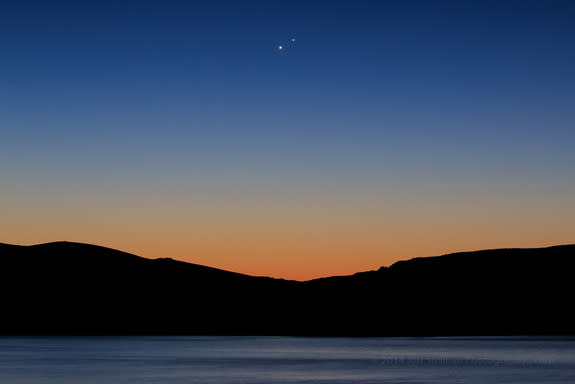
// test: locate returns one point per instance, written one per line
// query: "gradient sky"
(388, 130)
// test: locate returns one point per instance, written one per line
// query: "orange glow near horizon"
(297, 236)
(295, 264)
(296, 251)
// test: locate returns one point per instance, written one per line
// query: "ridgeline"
(67, 288)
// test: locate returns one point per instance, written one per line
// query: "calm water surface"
(171, 360)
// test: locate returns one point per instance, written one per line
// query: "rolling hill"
(65, 288)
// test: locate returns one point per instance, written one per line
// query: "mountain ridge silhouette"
(66, 288)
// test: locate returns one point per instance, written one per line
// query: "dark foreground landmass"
(78, 289)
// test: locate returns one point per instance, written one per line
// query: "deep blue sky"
(390, 104)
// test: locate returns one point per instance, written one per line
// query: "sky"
(387, 130)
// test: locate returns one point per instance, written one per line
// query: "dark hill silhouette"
(71, 288)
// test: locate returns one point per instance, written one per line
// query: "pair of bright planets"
(281, 47)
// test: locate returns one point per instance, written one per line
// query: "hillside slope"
(71, 288)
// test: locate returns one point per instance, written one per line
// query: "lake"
(270, 360)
